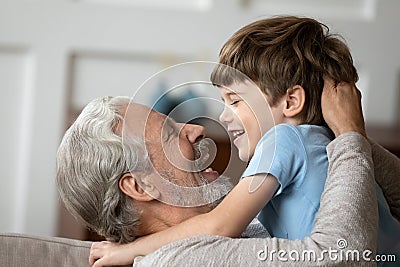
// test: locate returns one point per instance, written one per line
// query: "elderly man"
(103, 175)
(105, 180)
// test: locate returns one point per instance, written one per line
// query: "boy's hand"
(107, 254)
(341, 107)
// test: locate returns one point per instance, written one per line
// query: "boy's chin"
(244, 156)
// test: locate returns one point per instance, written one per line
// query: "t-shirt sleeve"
(281, 153)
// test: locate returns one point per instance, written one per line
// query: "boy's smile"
(247, 116)
(237, 133)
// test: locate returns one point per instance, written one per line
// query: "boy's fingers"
(92, 258)
(95, 253)
(99, 263)
(96, 245)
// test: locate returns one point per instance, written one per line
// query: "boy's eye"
(234, 102)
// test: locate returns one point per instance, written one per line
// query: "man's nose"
(226, 115)
(194, 133)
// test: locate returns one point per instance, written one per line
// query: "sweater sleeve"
(387, 175)
(347, 219)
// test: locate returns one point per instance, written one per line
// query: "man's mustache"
(205, 152)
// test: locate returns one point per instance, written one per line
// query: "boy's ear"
(295, 98)
(144, 192)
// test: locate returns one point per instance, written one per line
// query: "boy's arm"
(239, 207)
(229, 218)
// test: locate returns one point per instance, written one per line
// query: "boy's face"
(247, 116)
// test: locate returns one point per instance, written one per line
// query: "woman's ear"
(295, 98)
(129, 185)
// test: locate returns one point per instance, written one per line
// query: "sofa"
(26, 250)
(18, 250)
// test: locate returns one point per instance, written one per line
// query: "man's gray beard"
(211, 194)
(217, 192)
(205, 194)
(197, 193)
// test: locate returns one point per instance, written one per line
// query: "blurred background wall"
(57, 55)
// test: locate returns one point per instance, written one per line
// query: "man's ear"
(295, 98)
(129, 185)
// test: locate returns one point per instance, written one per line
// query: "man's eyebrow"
(167, 124)
(170, 121)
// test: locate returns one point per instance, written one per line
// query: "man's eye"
(167, 133)
(172, 132)
(234, 102)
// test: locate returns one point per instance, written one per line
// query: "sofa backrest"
(18, 250)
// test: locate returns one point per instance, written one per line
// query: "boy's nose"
(226, 115)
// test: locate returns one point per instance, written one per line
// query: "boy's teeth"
(237, 133)
(208, 170)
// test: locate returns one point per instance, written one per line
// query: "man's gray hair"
(91, 160)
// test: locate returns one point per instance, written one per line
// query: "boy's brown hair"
(281, 52)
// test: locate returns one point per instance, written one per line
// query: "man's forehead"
(138, 117)
(138, 109)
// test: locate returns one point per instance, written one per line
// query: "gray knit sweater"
(345, 226)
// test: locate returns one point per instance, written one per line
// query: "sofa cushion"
(25, 250)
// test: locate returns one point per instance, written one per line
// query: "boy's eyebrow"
(232, 93)
(229, 94)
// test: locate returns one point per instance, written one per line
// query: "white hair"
(91, 159)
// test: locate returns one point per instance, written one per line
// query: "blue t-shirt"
(296, 157)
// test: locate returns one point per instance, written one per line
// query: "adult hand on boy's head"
(341, 107)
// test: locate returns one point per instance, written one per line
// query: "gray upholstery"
(24, 250)
(17, 250)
